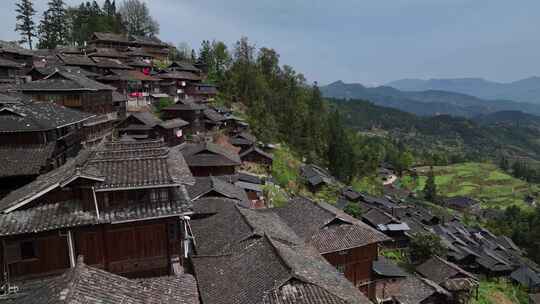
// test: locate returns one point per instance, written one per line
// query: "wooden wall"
(356, 264)
(136, 249)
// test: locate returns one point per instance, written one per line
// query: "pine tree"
(340, 154)
(25, 24)
(53, 30)
(430, 189)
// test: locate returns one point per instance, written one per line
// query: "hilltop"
(426, 103)
(511, 133)
(524, 90)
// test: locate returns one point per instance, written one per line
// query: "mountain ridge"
(425, 103)
(522, 90)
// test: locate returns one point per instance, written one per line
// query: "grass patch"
(482, 181)
(285, 168)
(499, 292)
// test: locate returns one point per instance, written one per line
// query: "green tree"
(430, 189)
(353, 210)
(53, 30)
(340, 154)
(137, 19)
(25, 23)
(423, 246)
(504, 164)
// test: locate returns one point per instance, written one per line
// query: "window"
(20, 251)
(340, 268)
(28, 250)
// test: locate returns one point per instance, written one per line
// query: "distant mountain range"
(525, 90)
(428, 102)
(512, 133)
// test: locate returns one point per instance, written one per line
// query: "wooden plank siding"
(135, 249)
(356, 265)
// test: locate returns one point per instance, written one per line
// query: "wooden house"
(217, 187)
(9, 70)
(209, 159)
(87, 284)
(255, 155)
(80, 61)
(139, 125)
(461, 284)
(316, 177)
(205, 91)
(389, 225)
(418, 290)
(345, 242)
(121, 206)
(260, 259)
(173, 131)
(151, 45)
(12, 51)
(35, 137)
(212, 119)
(187, 111)
(76, 91)
(387, 278)
(243, 140)
(175, 83)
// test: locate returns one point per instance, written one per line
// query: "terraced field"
(482, 181)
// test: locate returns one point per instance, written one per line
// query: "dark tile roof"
(111, 37)
(5, 63)
(25, 160)
(188, 106)
(316, 175)
(138, 63)
(48, 70)
(130, 166)
(208, 185)
(220, 231)
(146, 118)
(526, 277)
(263, 270)
(414, 290)
(106, 52)
(350, 194)
(173, 123)
(110, 63)
(183, 66)
(179, 75)
(65, 81)
(44, 183)
(209, 155)
(76, 60)
(327, 228)
(85, 284)
(144, 40)
(256, 150)
(386, 268)
(249, 178)
(439, 270)
(138, 52)
(14, 48)
(115, 165)
(38, 116)
(213, 115)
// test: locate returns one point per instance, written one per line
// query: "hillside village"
(125, 178)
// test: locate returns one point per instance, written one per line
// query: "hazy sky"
(367, 41)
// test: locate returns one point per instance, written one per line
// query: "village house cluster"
(102, 199)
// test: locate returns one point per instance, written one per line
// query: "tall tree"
(430, 189)
(137, 19)
(25, 23)
(340, 154)
(53, 30)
